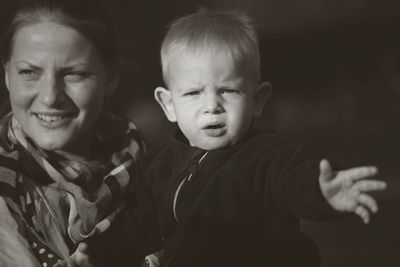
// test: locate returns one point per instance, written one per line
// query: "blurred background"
(335, 70)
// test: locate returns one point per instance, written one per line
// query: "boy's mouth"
(214, 126)
(215, 130)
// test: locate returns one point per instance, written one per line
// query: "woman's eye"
(75, 75)
(28, 74)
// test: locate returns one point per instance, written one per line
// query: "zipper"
(178, 190)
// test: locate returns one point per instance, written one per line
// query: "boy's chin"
(214, 144)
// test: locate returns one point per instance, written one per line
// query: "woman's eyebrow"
(73, 67)
(30, 64)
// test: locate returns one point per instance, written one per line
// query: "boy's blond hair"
(210, 31)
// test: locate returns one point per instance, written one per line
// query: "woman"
(63, 158)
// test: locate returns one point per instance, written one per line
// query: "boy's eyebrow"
(231, 82)
(194, 88)
(193, 85)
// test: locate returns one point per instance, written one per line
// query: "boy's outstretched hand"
(347, 191)
(80, 258)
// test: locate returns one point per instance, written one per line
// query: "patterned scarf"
(62, 199)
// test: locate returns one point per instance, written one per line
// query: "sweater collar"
(185, 153)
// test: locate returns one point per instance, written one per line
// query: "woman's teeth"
(50, 118)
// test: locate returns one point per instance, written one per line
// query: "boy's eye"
(229, 91)
(191, 93)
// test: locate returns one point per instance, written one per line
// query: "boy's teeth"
(48, 118)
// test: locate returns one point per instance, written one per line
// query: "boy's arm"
(146, 232)
(286, 178)
(347, 190)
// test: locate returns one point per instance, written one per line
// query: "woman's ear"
(263, 92)
(163, 97)
(112, 84)
(6, 74)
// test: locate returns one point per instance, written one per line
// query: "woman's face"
(57, 84)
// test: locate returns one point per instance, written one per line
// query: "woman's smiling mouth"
(53, 120)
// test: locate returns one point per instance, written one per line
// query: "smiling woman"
(57, 85)
(64, 160)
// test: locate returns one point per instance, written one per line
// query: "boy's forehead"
(182, 59)
(203, 55)
(209, 50)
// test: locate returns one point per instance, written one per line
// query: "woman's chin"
(78, 146)
(51, 145)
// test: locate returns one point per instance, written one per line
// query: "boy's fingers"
(369, 185)
(369, 202)
(325, 170)
(361, 172)
(363, 213)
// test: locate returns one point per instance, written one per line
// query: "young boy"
(220, 193)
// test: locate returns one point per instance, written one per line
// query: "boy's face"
(211, 99)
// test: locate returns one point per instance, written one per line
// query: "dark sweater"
(237, 206)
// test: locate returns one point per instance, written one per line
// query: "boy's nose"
(213, 104)
(51, 91)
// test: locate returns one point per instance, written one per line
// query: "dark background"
(335, 70)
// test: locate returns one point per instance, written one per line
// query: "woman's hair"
(91, 18)
(212, 31)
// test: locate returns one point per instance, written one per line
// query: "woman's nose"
(51, 91)
(212, 104)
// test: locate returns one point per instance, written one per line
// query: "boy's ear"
(163, 97)
(263, 92)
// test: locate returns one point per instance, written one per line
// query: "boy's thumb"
(83, 247)
(325, 170)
